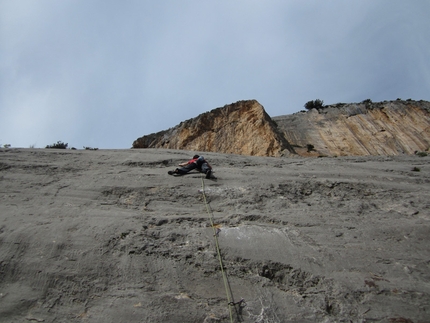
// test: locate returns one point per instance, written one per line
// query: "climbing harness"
(230, 301)
(241, 303)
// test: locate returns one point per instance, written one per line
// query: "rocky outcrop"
(356, 129)
(362, 129)
(242, 128)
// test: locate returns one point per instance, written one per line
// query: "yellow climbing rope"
(224, 275)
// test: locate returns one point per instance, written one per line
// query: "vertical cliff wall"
(383, 128)
(356, 129)
(241, 128)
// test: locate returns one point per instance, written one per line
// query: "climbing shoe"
(208, 174)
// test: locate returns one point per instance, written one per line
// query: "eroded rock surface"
(362, 129)
(108, 236)
(242, 128)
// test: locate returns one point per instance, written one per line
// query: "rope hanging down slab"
(230, 301)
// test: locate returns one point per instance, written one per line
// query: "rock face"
(357, 129)
(383, 128)
(107, 236)
(242, 128)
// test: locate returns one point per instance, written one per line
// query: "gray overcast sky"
(102, 73)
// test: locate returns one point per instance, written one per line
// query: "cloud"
(102, 73)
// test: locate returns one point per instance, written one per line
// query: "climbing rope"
(230, 302)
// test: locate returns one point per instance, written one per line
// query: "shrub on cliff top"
(58, 145)
(316, 104)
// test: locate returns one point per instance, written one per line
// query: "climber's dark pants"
(186, 169)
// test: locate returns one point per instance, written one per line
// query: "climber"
(197, 162)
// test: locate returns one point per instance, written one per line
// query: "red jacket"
(194, 160)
